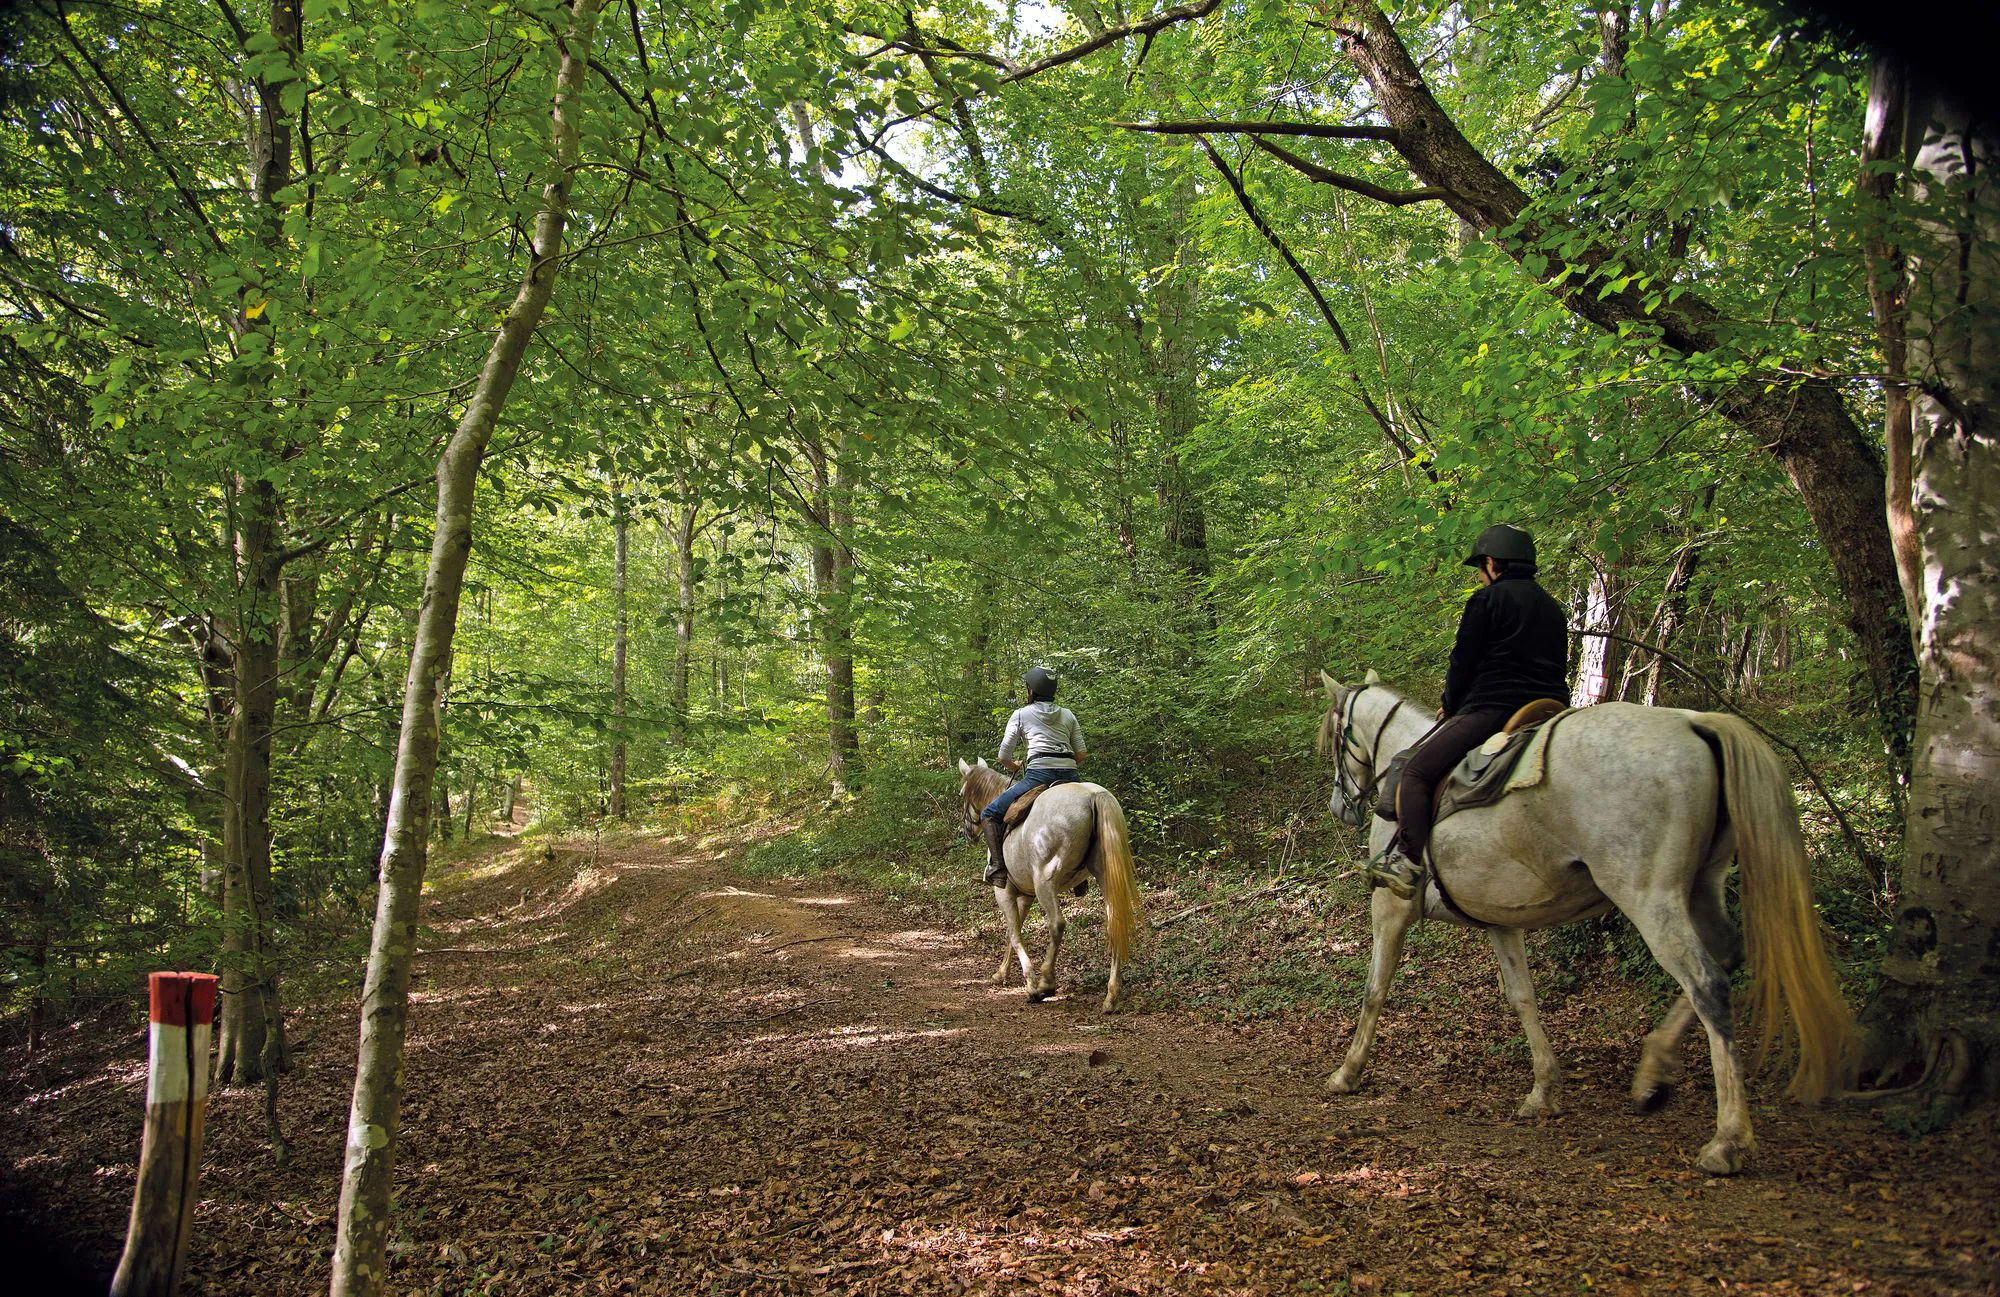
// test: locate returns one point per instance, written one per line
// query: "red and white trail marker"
(183, 1023)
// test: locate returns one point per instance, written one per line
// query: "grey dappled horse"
(1641, 808)
(1072, 829)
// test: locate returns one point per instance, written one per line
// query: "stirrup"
(1397, 872)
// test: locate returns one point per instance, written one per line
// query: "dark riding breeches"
(1416, 793)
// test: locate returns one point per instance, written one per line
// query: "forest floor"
(635, 1068)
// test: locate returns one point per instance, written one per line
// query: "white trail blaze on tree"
(359, 1262)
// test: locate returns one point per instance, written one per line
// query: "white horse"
(1072, 830)
(1641, 808)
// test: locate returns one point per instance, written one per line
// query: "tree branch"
(1375, 411)
(1352, 184)
(1386, 134)
(1112, 35)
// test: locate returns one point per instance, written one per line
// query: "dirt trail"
(634, 1071)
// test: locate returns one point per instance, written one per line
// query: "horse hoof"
(1532, 1109)
(1720, 1159)
(1654, 1099)
(1110, 1005)
(1338, 1083)
(1036, 997)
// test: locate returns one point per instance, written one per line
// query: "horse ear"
(982, 763)
(1332, 685)
(963, 768)
(1372, 679)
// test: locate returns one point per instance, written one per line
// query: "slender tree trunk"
(830, 513)
(1603, 610)
(619, 554)
(1672, 613)
(842, 739)
(1834, 467)
(1939, 1004)
(252, 1028)
(360, 1267)
(684, 592)
(1883, 144)
(249, 989)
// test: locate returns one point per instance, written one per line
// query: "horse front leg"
(1519, 987)
(1013, 910)
(1659, 1058)
(1390, 919)
(1045, 892)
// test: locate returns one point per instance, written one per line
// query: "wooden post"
(183, 1021)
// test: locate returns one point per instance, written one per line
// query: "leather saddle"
(1481, 778)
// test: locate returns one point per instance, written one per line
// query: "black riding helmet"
(1508, 544)
(1041, 684)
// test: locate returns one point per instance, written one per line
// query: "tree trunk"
(249, 982)
(1833, 466)
(360, 1266)
(252, 1028)
(1940, 999)
(619, 554)
(684, 527)
(1603, 610)
(1671, 614)
(831, 514)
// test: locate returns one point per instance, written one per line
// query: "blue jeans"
(1030, 778)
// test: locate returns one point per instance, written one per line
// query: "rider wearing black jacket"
(1512, 648)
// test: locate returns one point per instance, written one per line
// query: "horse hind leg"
(1674, 941)
(1391, 919)
(1659, 1059)
(1660, 1068)
(1013, 912)
(1042, 987)
(1519, 987)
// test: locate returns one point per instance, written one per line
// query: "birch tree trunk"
(1939, 1005)
(360, 1265)
(1603, 610)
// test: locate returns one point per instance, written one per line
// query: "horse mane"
(1327, 739)
(983, 782)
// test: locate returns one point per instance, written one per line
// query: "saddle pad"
(1503, 764)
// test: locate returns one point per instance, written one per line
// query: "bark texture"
(1939, 1007)
(360, 1265)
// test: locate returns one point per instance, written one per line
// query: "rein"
(1363, 791)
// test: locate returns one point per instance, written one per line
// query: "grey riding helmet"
(1508, 544)
(1041, 684)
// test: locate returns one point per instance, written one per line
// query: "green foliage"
(881, 362)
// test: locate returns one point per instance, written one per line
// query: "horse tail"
(1791, 975)
(1122, 914)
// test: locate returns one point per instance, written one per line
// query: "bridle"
(1356, 794)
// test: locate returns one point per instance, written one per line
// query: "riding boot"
(1395, 870)
(996, 863)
